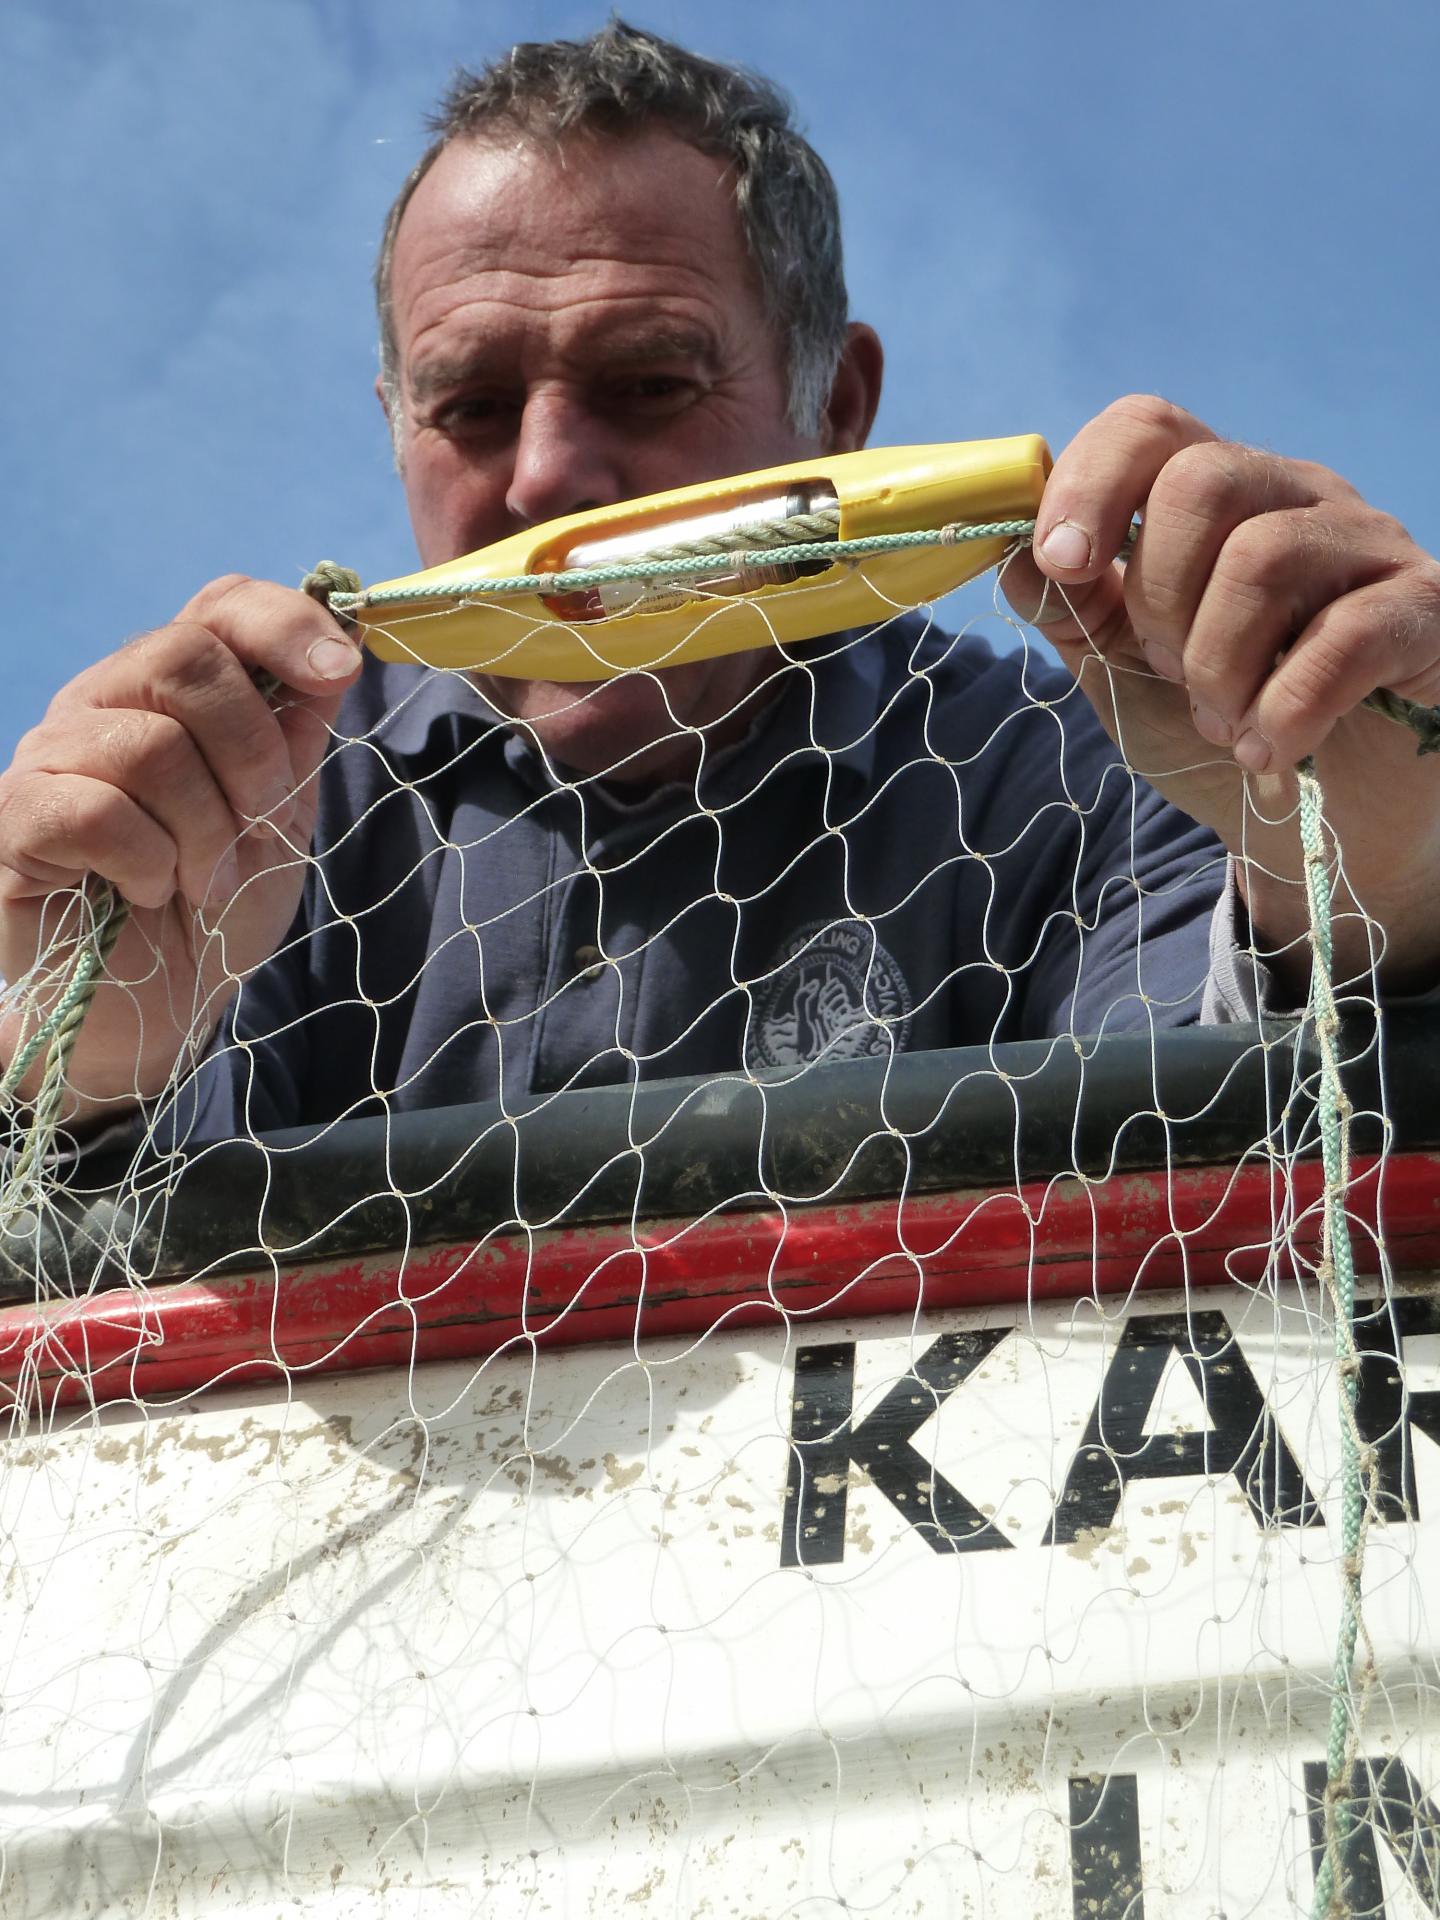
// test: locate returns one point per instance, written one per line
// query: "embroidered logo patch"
(835, 991)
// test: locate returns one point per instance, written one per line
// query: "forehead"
(572, 237)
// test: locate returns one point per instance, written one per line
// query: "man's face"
(576, 327)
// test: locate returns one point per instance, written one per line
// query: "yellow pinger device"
(723, 567)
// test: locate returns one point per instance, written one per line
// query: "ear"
(855, 392)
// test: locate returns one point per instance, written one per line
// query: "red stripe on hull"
(1195, 1226)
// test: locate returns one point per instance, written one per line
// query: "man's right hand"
(165, 770)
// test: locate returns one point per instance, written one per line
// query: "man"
(617, 270)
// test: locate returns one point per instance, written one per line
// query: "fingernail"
(1165, 660)
(332, 659)
(1066, 546)
(1213, 726)
(225, 883)
(1253, 751)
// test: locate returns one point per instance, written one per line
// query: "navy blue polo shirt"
(918, 844)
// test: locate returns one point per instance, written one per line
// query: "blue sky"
(1046, 205)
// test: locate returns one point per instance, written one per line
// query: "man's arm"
(1263, 602)
(164, 770)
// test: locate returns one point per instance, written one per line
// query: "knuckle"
(87, 688)
(1261, 557)
(190, 660)
(26, 808)
(1413, 625)
(1324, 482)
(1151, 413)
(1320, 536)
(90, 813)
(150, 748)
(42, 817)
(30, 748)
(12, 787)
(1389, 531)
(203, 605)
(153, 643)
(1203, 481)
(1427, 591)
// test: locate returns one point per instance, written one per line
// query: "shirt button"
(589, 963)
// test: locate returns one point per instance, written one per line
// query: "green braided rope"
(63, 1022)
(755, 546)
(107, 915)
(1337, 1274)
(1422, 721)
(679, 563)
(57, 1033)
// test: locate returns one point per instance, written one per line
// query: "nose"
(562, 462)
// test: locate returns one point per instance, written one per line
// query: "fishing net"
(737, 1349)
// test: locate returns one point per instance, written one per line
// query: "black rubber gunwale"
(961, 1118)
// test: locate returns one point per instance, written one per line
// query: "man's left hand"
(1263, 601)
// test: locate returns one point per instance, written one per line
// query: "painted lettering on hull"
(1241, 1437)
(1388, 1805)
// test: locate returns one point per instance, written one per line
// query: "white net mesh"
(728, 1347)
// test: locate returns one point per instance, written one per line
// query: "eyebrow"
(650, 344)
(659, 340)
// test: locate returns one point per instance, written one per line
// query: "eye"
(474, 413)
(651, 393)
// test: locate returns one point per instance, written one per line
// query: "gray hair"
(621, 80)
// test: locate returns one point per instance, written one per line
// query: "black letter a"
(1242, 1438)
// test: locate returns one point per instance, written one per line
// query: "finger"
(193, 679)
(54, 830)
(278, 630)
(155, 761)
(1269, 580)
(1103, 478)
(1197, 504)
(194, 676)
(1386, 634)
(268, 626)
